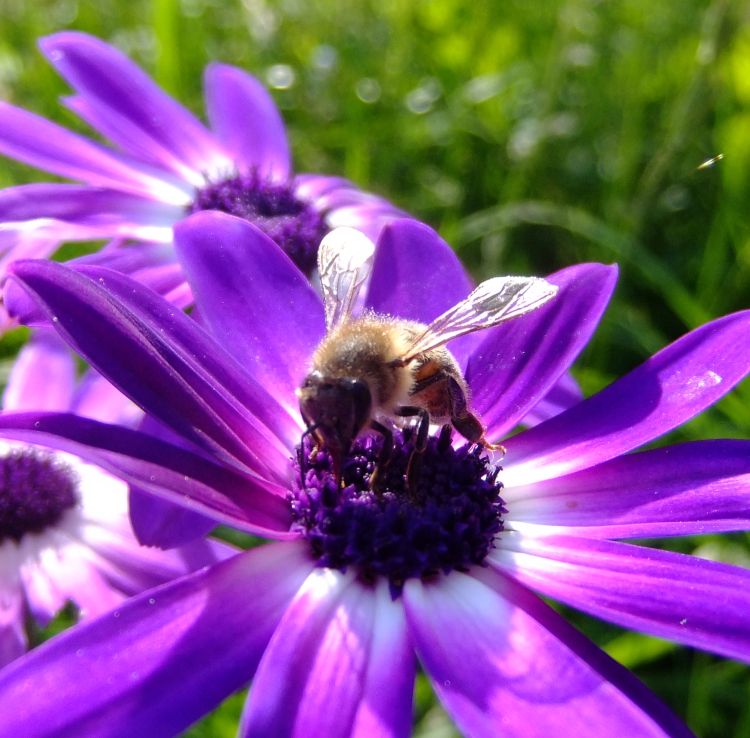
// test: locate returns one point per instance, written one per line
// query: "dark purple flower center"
(274, 208)
(442, 515)
(35, 491)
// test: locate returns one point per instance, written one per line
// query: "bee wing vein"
(491, 303)
(344, 262)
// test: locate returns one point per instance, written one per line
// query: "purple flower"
(327, 620)
(164, 164)
(65, 534)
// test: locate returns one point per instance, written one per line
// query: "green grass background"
(533, 135)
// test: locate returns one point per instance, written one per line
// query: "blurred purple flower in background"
(65, 534)
(325, 621)
(164, 164)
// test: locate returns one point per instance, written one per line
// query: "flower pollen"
(274, 208)
(445, 518)
(35, 491)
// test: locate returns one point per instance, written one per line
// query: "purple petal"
(140, 146)
(163, 361)
(130, 568)
(96, 398)
(345, 202)
(97, 210)
(693, 488)
(323, 647)
(416, 275)
(157, 522)
(12, 632)
(29, 240)
(43, 598)
(179, 476)
(275, 427)
(518, 363)
(667, 390)
(385, 710)
(370, 216)
(683, 598)
(43, 376)
(130, 258)
(73, 576)
(130, 109)
(161, 660)
(563, 395)
(503, 663)
(314, 186)
(351, 196)
(247, 122)
(36, 141)
(253, 299)
(152, 264)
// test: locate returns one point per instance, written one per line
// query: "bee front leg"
(309, 431)
(385, 452)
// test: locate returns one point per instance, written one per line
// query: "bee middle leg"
(423, 428)
(423, 425)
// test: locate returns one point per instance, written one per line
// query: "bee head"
(335, 409)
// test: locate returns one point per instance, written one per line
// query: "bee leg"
(385, 452)
(309, 431)
(464, 421)
(445, 438)
(423, 428)
(423, 425)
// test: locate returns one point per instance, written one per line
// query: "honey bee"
(373, 369)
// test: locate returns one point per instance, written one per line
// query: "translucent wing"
(344, 262)
(491, 303)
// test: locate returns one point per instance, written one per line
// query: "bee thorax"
(363, 349)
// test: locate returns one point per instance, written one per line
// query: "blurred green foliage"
(532, 135)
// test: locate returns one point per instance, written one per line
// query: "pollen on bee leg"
(493, 446)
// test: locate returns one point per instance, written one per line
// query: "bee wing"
(344, 262)
(491, 303)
